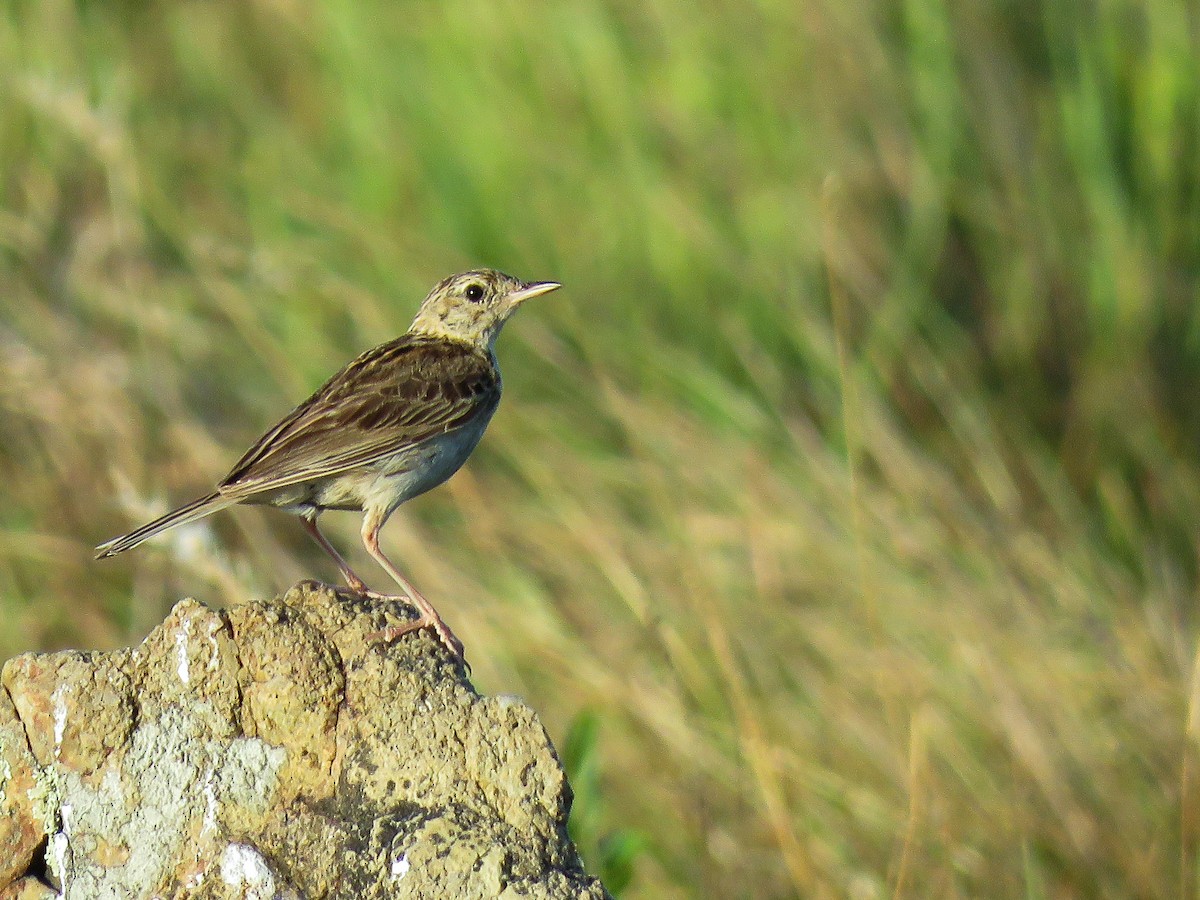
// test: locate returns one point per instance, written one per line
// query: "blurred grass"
(895, 602)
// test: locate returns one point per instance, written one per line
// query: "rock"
(22, 826)
(276, 750)
(28, 889)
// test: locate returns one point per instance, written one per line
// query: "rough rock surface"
(274, 750)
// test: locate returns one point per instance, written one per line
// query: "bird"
(392, 424)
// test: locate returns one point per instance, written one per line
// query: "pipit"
(394, 423)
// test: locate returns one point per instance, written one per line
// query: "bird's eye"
(474, 293)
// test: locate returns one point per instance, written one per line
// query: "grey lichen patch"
(165, 804)
(277, 751)
(247, 782)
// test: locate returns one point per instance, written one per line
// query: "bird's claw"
(445, 636)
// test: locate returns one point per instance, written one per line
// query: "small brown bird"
(391, 425)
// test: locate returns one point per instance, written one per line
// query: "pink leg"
(356, 584)
(429, 618)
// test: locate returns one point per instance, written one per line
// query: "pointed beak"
(533, 290)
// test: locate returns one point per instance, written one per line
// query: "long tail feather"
(197, 509)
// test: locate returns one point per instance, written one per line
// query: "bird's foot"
(428, 618)
(447, 637)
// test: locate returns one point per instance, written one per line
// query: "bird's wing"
(397, 395)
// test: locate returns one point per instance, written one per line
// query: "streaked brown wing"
(393, 396)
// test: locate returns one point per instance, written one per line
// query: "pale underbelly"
(382, 485)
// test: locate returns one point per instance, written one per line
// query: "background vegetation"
(841, 516)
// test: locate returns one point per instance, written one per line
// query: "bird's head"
(475, 305)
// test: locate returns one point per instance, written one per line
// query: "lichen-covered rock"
(28, 889)
(276, 750)
(21, 826)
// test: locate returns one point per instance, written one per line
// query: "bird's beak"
(533, 290)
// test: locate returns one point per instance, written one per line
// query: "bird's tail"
(197, 509)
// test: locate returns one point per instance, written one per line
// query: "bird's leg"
(429, 618)
(356, 584)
